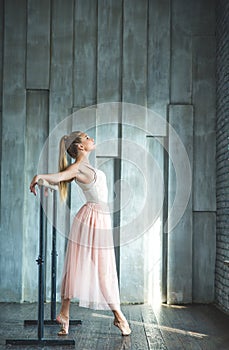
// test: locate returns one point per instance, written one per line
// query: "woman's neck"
(83, 159)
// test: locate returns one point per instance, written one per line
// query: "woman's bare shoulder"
(85, 173)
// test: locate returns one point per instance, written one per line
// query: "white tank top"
(96, 191)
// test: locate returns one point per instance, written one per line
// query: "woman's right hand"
(33, 184)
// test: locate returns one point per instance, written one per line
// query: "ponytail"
(67, 144)
(63, 164)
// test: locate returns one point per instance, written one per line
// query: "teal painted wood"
(1, 77)
(158, 57)
(108, 141)
(109, 51)
(204, 192)
(180, 236)
(38, 44)
(134, 84)
(60, 107)
(203, 17)
(61, 80)
(181, 52)
(204, 176)
(132, 259)
(85, 53)
(13, 150)
(204, 253)
(204, 84)
(155, 247)
(1, 51)
(37, 109)
(133, 215)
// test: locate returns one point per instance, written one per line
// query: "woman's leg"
(63, 317)
(121, 322)
(65, 307)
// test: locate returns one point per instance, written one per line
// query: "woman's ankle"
(119, 316)
(65, 308)
(63, 315)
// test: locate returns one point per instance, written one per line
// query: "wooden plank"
(109, 76)
(186, 330)
(108, 116)
(1, 77)
(211, 333)
(158, 56)
(153, 333)
(204, 177)
(180, 226)
(204, 252)
(38, 44)
(13, 149)
(138, 336)
(1, 51)
(134, 84)
(133, 216)
(85, 53)
(109, 68)
(37, 104)
(167, 328)
(204, 84)
(181, 52)
(204, 132)
(183, 326)
(203, 17)
(153, 240)
(61, 102)
(61, 94)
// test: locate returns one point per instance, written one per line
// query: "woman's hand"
(33, 184)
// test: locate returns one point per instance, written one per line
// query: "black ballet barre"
(40, 322)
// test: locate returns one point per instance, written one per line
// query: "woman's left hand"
(33, 184)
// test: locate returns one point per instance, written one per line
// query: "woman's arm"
(66, 175)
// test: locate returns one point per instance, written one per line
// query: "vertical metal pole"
(40, 262)
(54, 255)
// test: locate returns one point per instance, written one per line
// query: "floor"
(167, 327)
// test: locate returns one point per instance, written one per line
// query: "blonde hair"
(68, 144)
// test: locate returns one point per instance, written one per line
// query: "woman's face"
(87, 142)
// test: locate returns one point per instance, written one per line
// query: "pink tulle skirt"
(89, 272)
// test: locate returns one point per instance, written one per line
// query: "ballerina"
(89, 272)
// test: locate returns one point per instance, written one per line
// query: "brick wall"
(222, 154)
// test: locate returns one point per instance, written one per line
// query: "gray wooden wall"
(58, 56)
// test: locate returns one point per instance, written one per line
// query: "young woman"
(89, 272)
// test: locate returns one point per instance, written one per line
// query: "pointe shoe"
(123, 326)
(64, 322)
